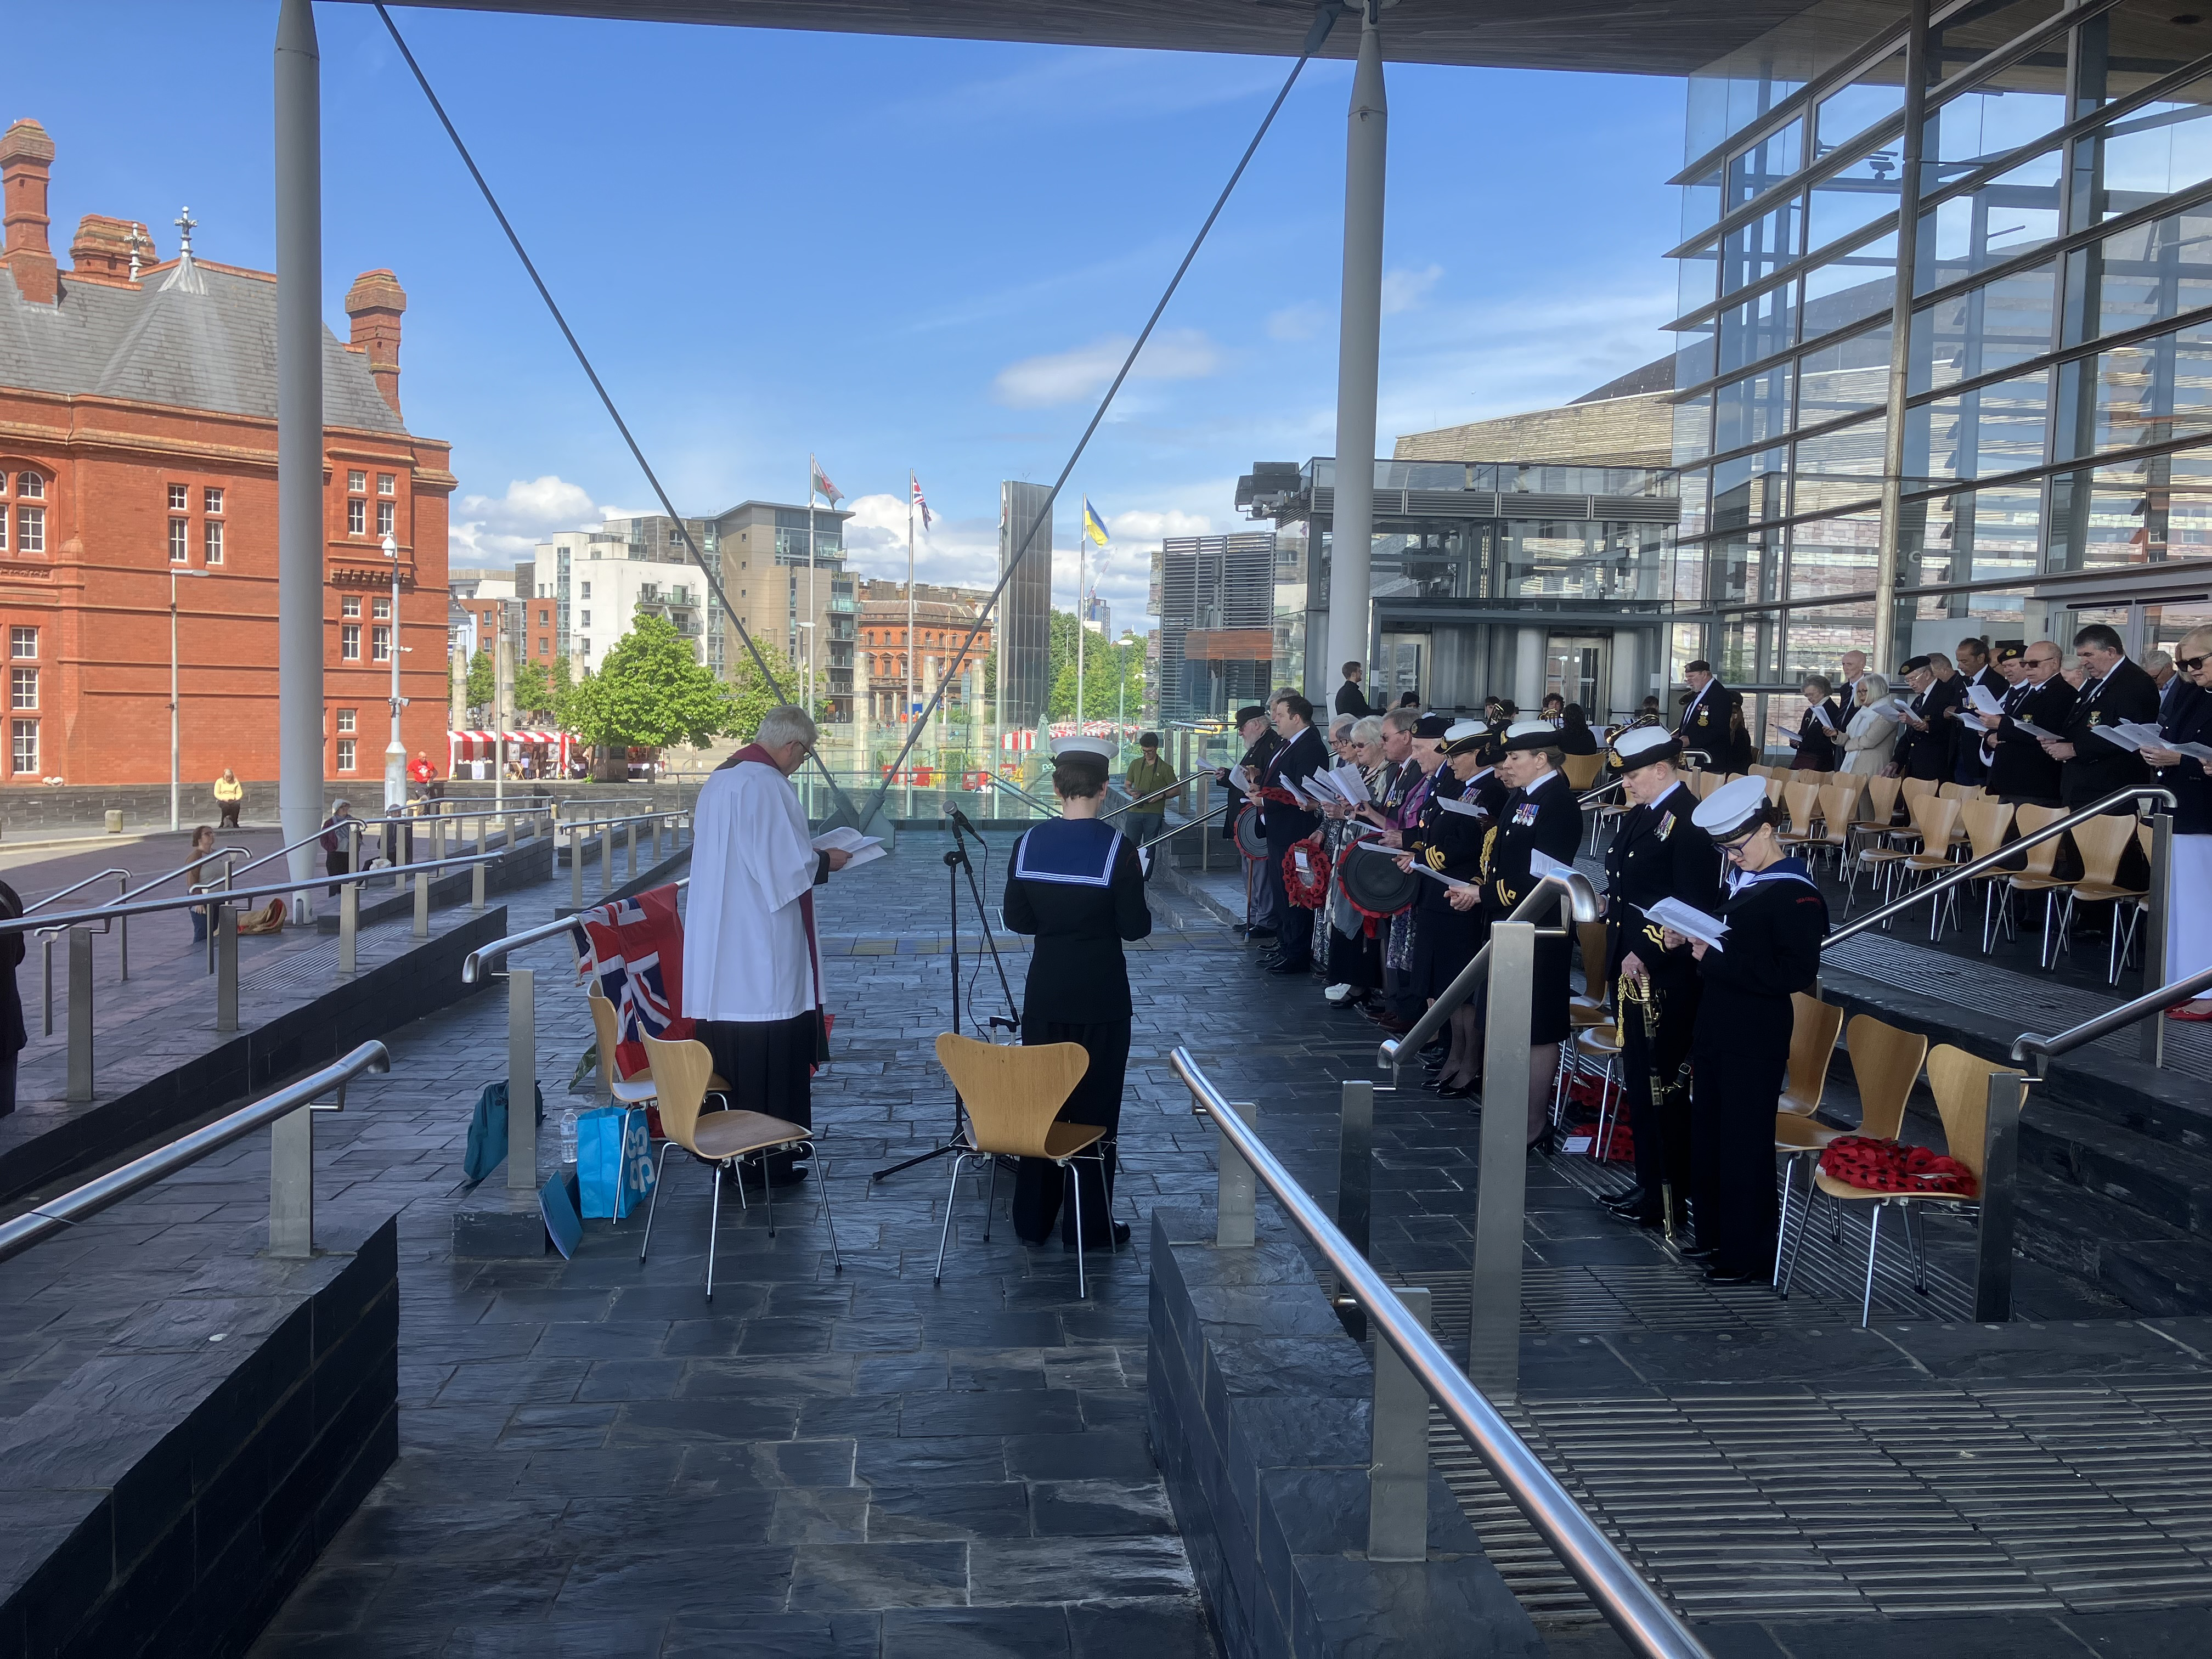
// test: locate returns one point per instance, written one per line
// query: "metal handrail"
(573, 825)
(208, 857)
(997, 782)
(153, 907)
(1174, 788)
(58, 1214)
(1188, 823)
(2156, 1000)
(1629, 1604)
(1972, 867)
(1571, 885)
(102, 875)
(474, 964)
(294, 847)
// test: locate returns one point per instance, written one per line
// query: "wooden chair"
(1906, 843)
(1886, 1063)
(1876, 808)
(1581, 770)
(631, 1088)
(1813, 1029)
(1960, 1083)
(1589, 1008)
(1012, 1097)
(1775, 778)
(1986, 822)
(1802, 802)
(2102, 842)
(2131, 911)
(2037, 877)
(682, 1071)
(1934, 820)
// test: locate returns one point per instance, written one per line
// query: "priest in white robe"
(752, 966)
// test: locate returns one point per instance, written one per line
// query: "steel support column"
(1358, 359)
(299, 433)
(1888, 559)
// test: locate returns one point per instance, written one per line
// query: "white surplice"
(746, 952)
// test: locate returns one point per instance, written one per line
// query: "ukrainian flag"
(1093, 525)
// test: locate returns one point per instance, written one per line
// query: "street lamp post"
(175, 774)
(395, 752)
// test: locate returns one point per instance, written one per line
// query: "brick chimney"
(374, 302)
(102, 249)
(26, 159)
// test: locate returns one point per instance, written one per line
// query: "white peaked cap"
(1102, 747)
(1464, 729)
(1644, 744)
(1725, 811)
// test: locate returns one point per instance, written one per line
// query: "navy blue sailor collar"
(1070, 852)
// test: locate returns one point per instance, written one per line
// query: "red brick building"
(138, 436)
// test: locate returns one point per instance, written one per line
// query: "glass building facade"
(1945, 340)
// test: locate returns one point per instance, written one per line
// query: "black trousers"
(1739, 1062)
(229, 820)
(769, 1065)
(1293, 923)
(1661, 1131)
(334, 864)
(1041, 1185)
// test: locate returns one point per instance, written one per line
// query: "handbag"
(614, 1161)
(487, 1148)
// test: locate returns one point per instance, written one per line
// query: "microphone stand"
(955, 861)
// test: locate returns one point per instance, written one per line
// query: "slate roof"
(192, 337)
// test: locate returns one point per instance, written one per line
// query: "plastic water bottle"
(568, 1136)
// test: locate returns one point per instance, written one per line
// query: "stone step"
(2147, 1172)
(2152, 1266)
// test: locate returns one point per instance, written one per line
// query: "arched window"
(30, 518)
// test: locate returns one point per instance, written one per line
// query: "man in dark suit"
(2113, 690)
(2020, 771)
(1975, 669)
(1299, 754)
(1924, 748)
(1350, 699)
(1258, 742)
(1847, 684)
(1707, 723)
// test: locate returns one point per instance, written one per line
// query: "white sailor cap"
(1460, 730)
(1531, 735)
(1730, 810)
(1645, 746)
(1102, 747)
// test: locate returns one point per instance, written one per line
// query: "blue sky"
(897, 253)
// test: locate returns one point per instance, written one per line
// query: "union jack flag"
(637, 952)
(914, 484)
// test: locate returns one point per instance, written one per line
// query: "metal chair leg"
(822, 1183)
(1082, 1280)
(1913, 1237)
(1788, 1189)
(990, 1198)
(653, 1203)
(1873, 1244)
(1804, 1221)
(713, 1229)
(768, 1193)
(945, 1232)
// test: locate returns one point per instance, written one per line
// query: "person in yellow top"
(229, 797)
(1147, 775)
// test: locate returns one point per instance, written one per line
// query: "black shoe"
(1724, 1274)
(1121, 1231)
(1697, 1252)
(1635, 1202)
(1288, 967)
(1457, 1092)
(1259, 933)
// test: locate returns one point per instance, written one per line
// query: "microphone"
(961, 820)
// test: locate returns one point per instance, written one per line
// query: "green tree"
(1113, 677)
(751, 697)
(651, 692)
(564, 688)
(482, 691)
(533, 690)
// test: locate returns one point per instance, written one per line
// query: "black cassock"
(1076, 886)
(1739, 1058)
(1659, 854)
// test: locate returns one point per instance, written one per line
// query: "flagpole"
(1082, 535)
(906, 708)
(810, 617)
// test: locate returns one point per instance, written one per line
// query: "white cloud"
(1404, 289)
(1150, 527)
(1063, 377)
(497, 530)
(1303, 321)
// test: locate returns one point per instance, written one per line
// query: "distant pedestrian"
(202, 844)
(13, 1036)
(422, 775)
(337, 842)
(229, 797)
(1148, 775)
(1350, 699)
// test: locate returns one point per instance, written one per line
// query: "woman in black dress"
(1541, 814)
(1576, 737)
(1819, 733)
(1740, 1053)
(1448, 843)
(1077, 886)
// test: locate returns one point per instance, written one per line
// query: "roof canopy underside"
(1636, 37)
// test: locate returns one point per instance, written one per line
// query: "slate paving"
(595, 1459)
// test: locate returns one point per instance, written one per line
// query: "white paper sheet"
(1349, 784)
(1541, 865)
(1462, 806)
(861, 849)
(1983, 702)
(1689, 921)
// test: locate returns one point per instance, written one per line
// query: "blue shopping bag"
(614, 1161)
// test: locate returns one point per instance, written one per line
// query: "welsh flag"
(823, 487)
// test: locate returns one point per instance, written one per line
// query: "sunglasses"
(2189, 665)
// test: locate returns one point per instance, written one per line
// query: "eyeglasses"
(1735, 849)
